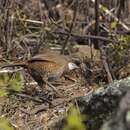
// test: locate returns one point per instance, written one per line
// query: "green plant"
(6, 83)
(74, 120)
(5, 124)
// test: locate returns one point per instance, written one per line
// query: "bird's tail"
(17, 64)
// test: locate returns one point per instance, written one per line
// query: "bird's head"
(72, 66)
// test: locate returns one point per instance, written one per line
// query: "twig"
(97, 18)
(9, 71)
(71, 27)
(96, 22)
(39, 108)
(27, 96)
(86, 37)
(32, 21)
(105, 64)
(50, 85)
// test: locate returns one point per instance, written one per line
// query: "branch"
(113, 16)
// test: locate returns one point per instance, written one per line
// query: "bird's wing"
(49, 57)
(41, 57)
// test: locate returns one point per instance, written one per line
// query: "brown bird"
(48, 66)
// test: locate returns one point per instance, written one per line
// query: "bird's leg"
(70, 78)
(53, 87)
(38, 78)
(53, 77)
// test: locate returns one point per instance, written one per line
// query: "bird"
(48, 66)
